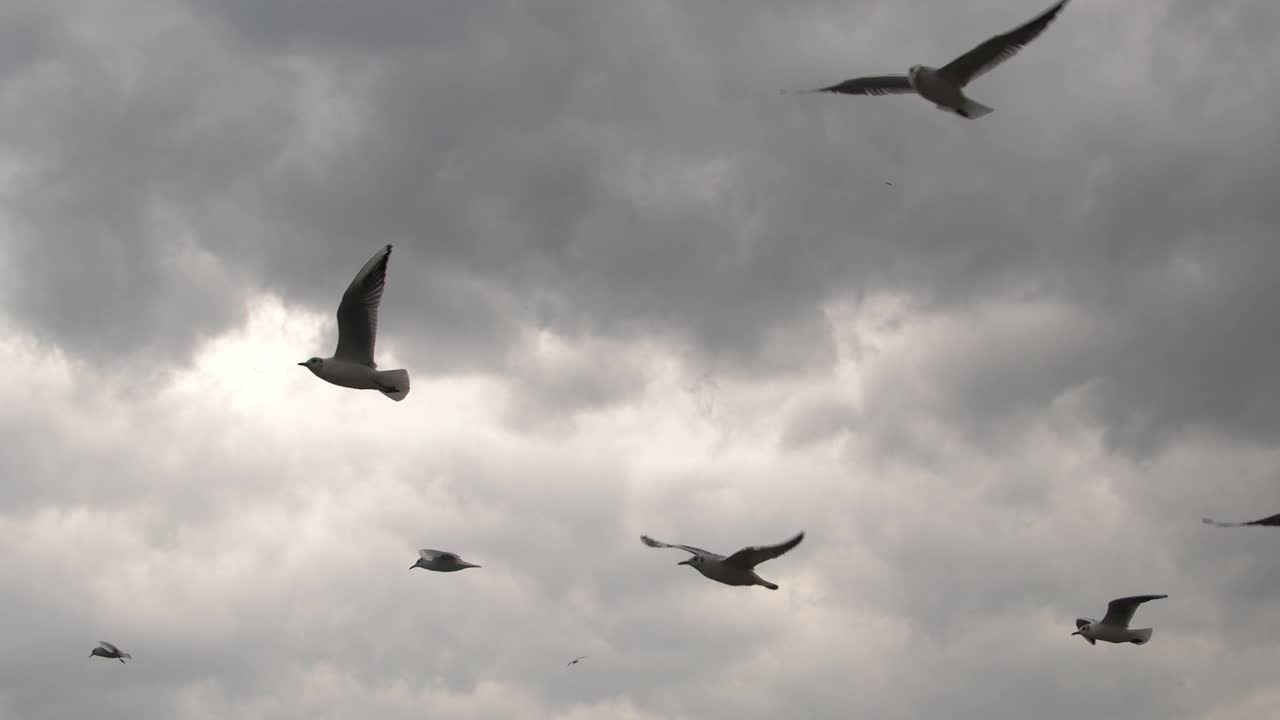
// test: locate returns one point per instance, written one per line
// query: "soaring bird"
(1272, 521)
(1114, 626)
(107, 650)
(440, 561)
(944, 86)
(352, 363)
(737, 569)
(576, 660)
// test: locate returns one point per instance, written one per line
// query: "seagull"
(1273, 521)
(1114, 626)
(576, 660)
(107, 650)
(944, 86)
(441, 561)
(737, 569)
(352, 363)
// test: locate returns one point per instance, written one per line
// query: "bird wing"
(687, 548)
(874, 85)
(108, 646)
(437, 554)
(749, 557)
(358, 311)
(1081, 622)
(991, 53)
(1272, 521)
(1120, 611)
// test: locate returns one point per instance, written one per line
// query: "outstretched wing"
(1120, 611)
(991, 53)
(1271, 521)
(108, 647)
(874, 85)
(435, 554)
(749, 557)
(358, 311)
(687, 548)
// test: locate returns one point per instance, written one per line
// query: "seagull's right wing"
(108, 646)
(687, 548)
(876, 85)
(991, 53)
(749, 557)
(358, 311)
(1081, 622)
(1272, 521)
(1120, 611)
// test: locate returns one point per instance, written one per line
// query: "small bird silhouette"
(576, 660)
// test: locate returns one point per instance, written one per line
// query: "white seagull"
(944, 86)
(1114, 626)
(441, 561)
(352, 363)
(1272, 521)
(107, 650)
(737, 569)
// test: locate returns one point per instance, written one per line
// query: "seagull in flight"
(441, 561)
(1272, 521)
(107, 650)
(737, 569)
(352, 363)
(944, 86)
(576, 660)
(1114, 626)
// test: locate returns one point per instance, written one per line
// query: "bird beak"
(413, 566)
(683, 562)
(303, 364)
(1076, 633)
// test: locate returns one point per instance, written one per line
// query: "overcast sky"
(638, 291)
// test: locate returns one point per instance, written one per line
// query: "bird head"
(1084, 630)
(312, 364)
(417, 564)
(691, 561)
(914, 70)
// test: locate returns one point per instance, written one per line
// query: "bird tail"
(397, 381)
(971, 109)
(1140, 637)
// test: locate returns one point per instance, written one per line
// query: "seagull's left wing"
(108, 647)
(876, 85)
(749, 557)
(991, 53)
(1120, 611)
(687, 548)
(358, 312)
(1273, 521)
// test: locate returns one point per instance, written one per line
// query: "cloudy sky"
(638, 291)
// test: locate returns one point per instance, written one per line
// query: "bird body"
(576, 660)
(440, 561)
(738, 569)
(1114, 626)
(109, 651)
(944, 86)
(352, 364)
(1270, 521)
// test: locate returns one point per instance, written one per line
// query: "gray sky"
(638, 291)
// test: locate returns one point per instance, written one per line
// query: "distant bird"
(1273, 521)
(738, 568)
(945, 86)
(886, 182)
(440, 561)
(352, 363)
(107, 650)
(1114, 626)
(576, 660)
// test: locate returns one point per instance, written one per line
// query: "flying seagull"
(944, 86)
(576, 660)
(1114, 626)
(107, 650)
(352, 363)
(1273, 521)
(440, 561)
(737, 569)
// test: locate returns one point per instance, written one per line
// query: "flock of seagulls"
(352, 364)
